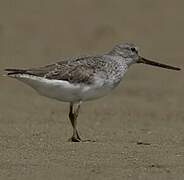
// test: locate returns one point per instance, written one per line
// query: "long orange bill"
(146, 61)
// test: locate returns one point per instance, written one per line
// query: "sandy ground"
(138, 128)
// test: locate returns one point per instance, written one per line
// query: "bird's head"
(130, 54)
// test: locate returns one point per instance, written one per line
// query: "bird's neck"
(122, 60)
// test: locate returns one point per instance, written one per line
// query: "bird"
(78, 79)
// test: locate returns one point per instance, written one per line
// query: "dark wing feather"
(70, 69)
(74, 70)
(41, 71)
(77, 74)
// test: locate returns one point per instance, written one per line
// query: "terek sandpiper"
(79, 79)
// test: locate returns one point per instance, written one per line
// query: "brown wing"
(73, 74)
(71, 70)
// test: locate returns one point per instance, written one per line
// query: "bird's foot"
(78, 139)
(74, 139)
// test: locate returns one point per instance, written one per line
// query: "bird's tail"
(12, 71)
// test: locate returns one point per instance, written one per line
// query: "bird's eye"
(133, 49)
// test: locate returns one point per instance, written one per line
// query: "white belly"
(65, 91)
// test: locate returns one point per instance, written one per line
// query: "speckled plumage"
(80, 69)
(79, 79)
(75, 79)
